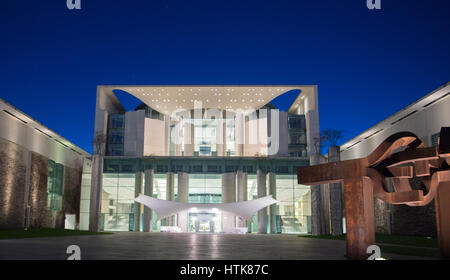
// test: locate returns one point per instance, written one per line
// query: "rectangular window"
(435, 139)
(116, 121)
(212, 168)
(115, 149)
(116, 127)
(116, 136)
(297, 122)
(55, 185)
(197, 168)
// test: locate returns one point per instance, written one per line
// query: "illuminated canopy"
(244, 209)
(167, 99)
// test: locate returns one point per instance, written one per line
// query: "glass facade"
(290, 215)
(292, 212)
(55, 185)
(294, 209)
(230, 137)
(118, 202)
(435, 139)
(297, 143)
(205, 137)
(116, 127)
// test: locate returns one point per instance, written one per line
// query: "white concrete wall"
(154, 140)
(255, 144)
(424, 124)
(26, 136)
(133, 144)
(283, 136)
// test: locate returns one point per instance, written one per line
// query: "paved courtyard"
(132, 245)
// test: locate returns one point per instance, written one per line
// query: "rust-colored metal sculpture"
(400, 157)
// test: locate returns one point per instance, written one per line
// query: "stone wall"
(421, 220)
(72, 191)
(382, 216)
(13, 179)
(13, 160)
(399, 219)
(408, 220)
(40, 216)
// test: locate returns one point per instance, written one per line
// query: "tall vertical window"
(55, 185)
(230, 137)
(205, 137)
(116, 126)
(435, 139)
(297, 136)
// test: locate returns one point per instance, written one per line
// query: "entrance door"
(203, 222)
(204, 226)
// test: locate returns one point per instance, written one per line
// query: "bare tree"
(99, 143)
(318, 144)
(331, 136)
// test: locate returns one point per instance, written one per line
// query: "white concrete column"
(166, 135)
(178, 129)
(95, 206)
(239, 133)
(273, 209)
(137, 206)
(170, 194)
(228, 195)
(183, 196)
(224, 135)
(262, 191)
(148, 190)
(189, 138)
(219, 137)
(241, 194)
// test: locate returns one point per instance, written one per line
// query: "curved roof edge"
(419, 105)
(170, 98)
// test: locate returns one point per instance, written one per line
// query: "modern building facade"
(200, 144)
(424, 118)
(40, 174)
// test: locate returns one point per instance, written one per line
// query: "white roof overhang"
(169, 99)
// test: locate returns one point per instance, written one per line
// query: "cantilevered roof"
(167, 99)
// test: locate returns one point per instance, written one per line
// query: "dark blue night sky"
(368, 64)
